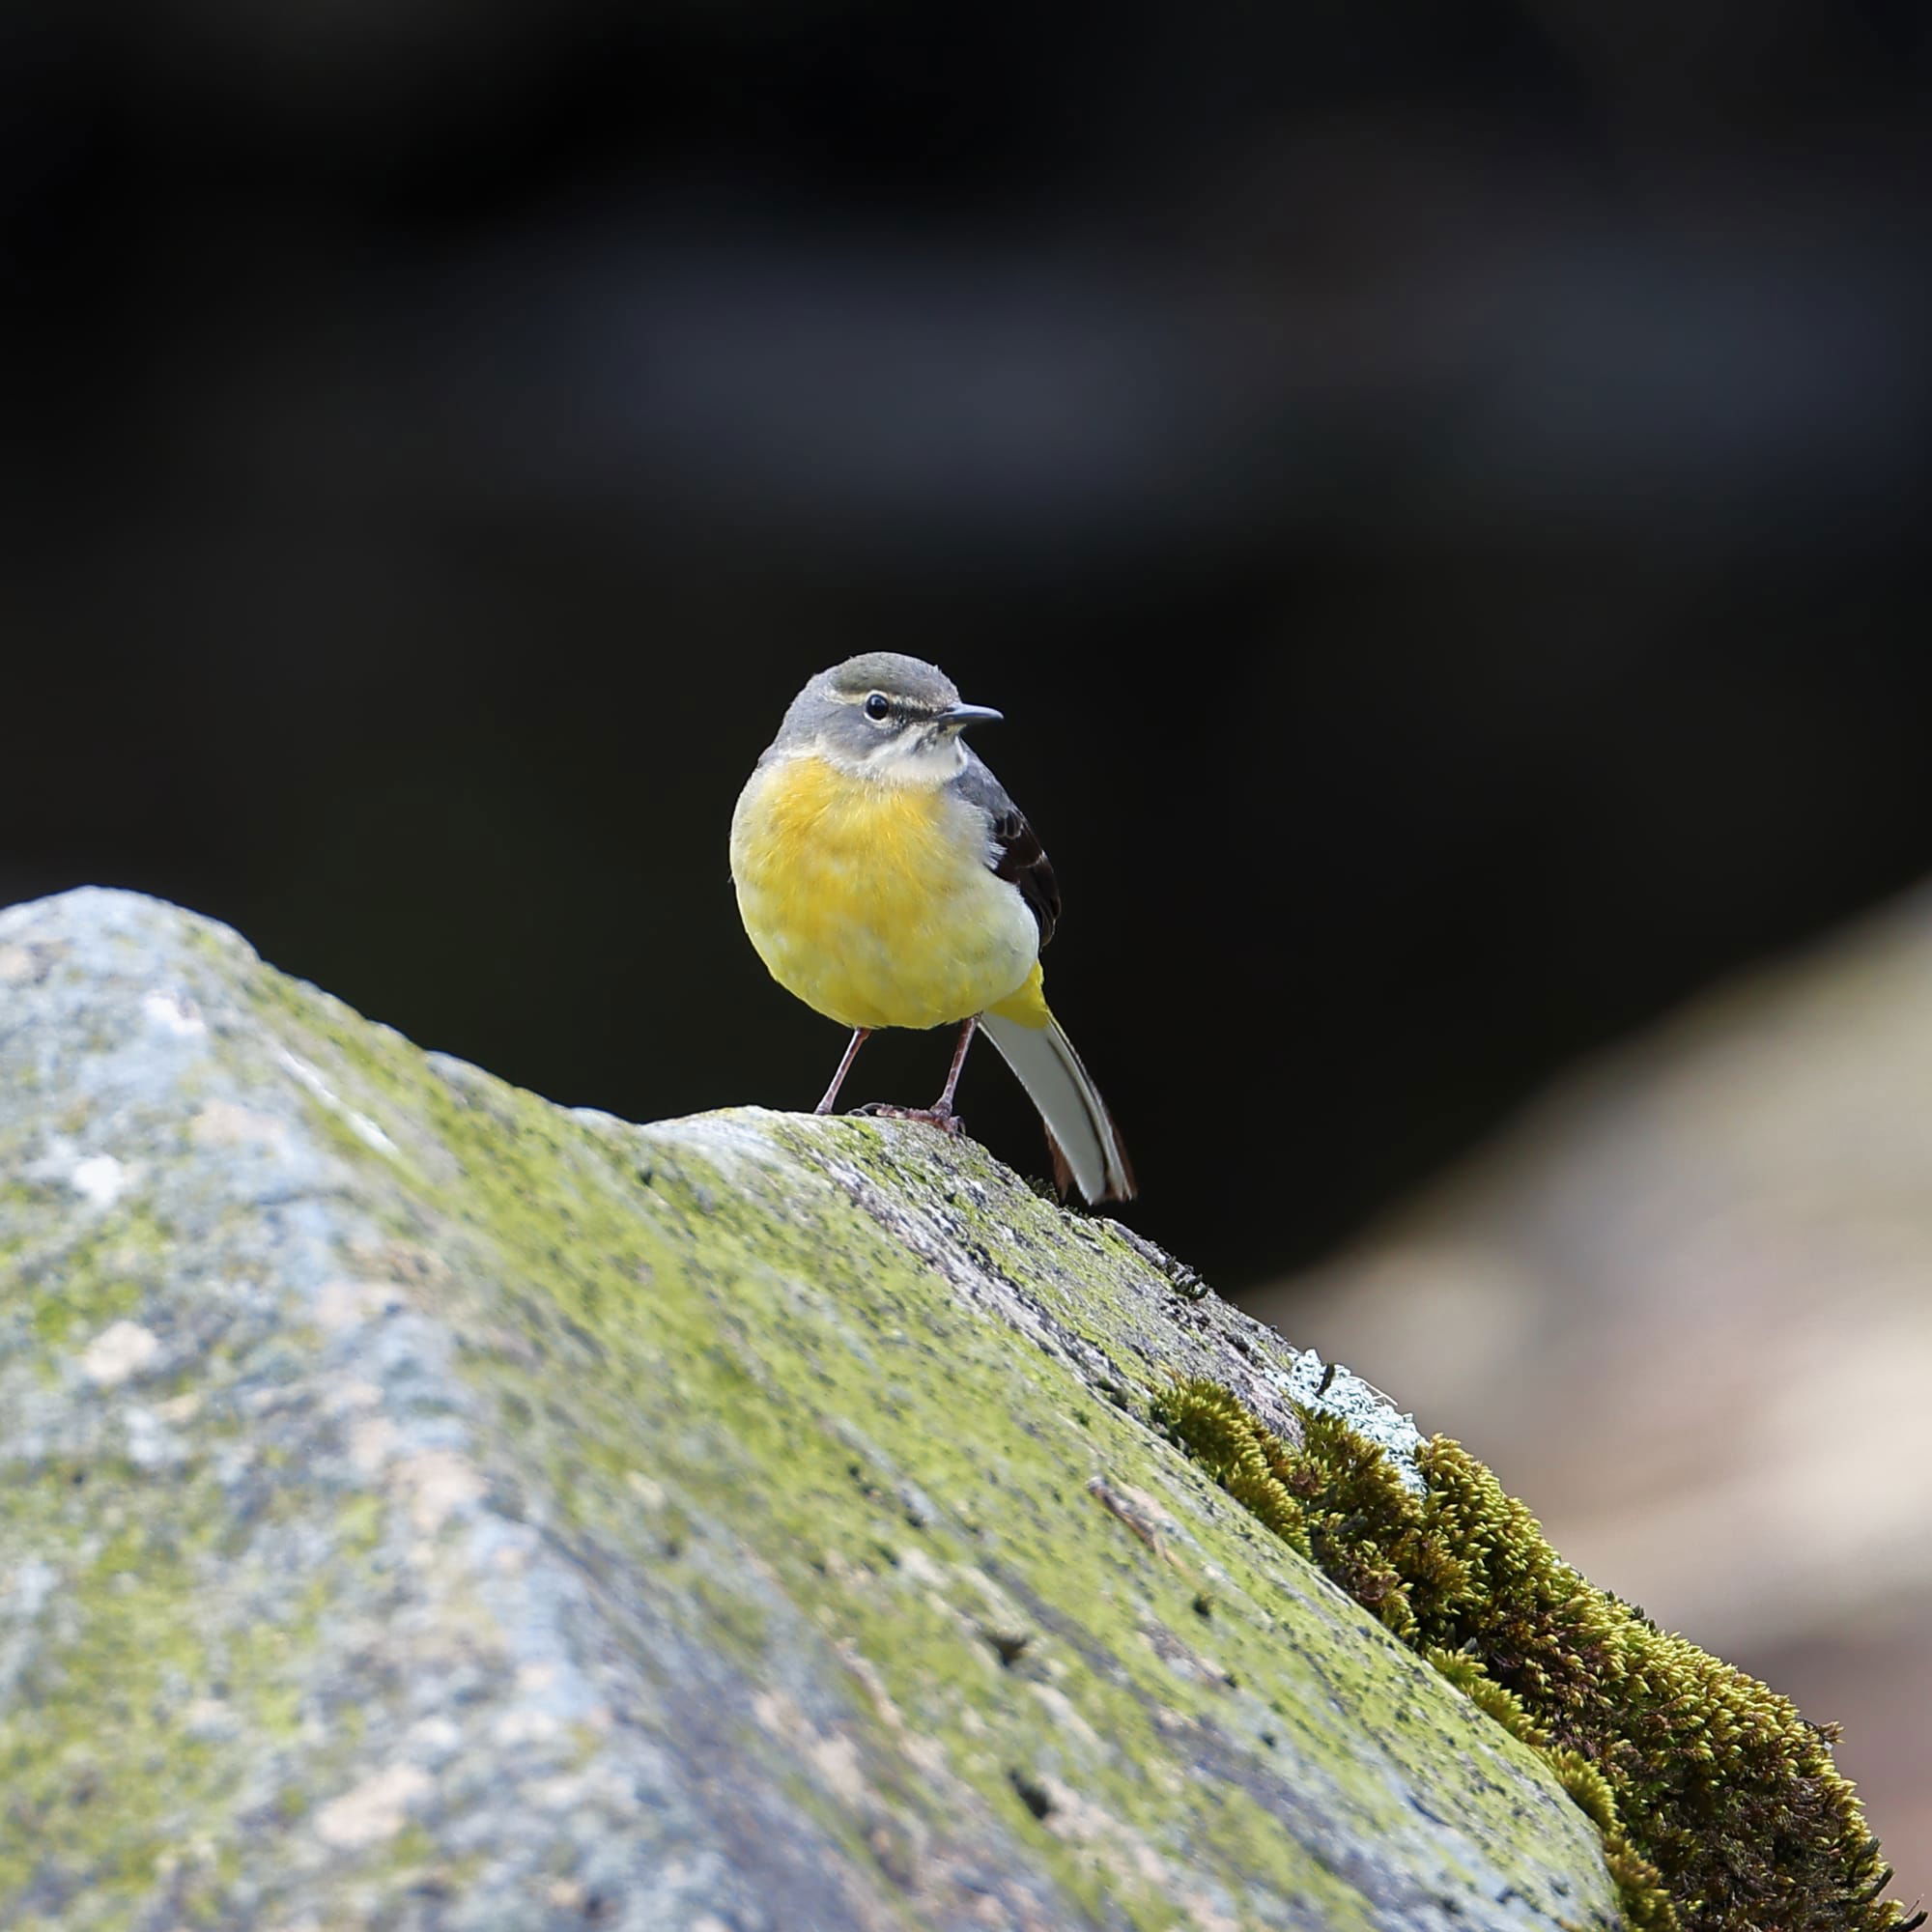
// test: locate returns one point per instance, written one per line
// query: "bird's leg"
(939, 1114)
(942, 1108)
(859, 1038)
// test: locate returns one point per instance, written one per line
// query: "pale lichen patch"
(121, 1350)
(226, 1123)
(99, 1178)
(375, 1809)
(172, 1011)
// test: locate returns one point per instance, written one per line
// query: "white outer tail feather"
(1077, 1122)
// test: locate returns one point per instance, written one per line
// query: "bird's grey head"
(882, 716)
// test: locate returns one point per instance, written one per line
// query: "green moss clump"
(1720, 1807)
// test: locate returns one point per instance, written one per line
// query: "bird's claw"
(947, 1122)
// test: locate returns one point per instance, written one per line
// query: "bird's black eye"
(878, 708)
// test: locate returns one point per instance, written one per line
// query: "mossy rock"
(422, 1506)
(1720, 1807)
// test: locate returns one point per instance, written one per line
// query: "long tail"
(1080, 1131)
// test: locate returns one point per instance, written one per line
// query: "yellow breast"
(874, 903)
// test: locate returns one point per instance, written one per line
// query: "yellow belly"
(874, 903)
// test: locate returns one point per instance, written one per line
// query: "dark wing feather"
(1017, 854)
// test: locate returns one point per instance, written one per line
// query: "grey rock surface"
(422, 1506)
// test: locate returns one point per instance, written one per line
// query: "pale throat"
(922, 762)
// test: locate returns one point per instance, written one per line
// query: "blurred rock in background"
(1684, 1305)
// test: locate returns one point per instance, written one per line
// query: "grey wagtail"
(886, 878)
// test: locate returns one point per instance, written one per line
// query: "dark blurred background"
(1434, 487)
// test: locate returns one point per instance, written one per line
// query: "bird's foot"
(941, 1118)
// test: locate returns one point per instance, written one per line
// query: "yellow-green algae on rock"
(1720, 1807)
(422, 1506)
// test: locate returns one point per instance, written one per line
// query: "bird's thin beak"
(959, 716)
